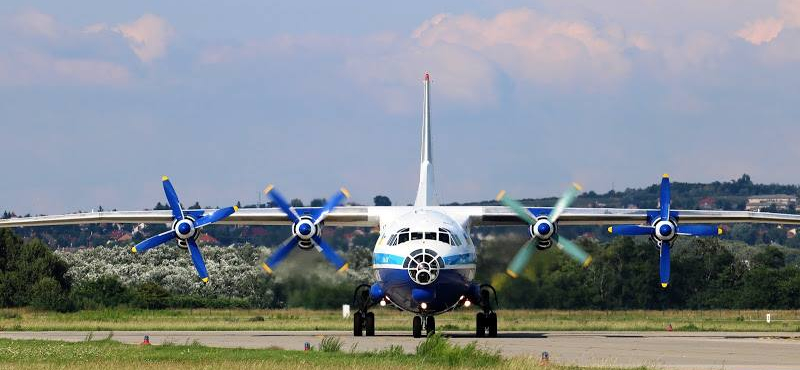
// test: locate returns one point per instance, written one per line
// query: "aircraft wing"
(499, 215)
(342, 216)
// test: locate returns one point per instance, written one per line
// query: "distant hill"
(729, 195)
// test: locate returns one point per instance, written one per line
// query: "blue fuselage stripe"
(391, 259)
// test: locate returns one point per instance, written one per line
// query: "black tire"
(491, 323)
(358, 324)
(417, 327)
(430, 325)
(370, 324)
(480, 325)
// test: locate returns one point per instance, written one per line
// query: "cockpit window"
(430, 236)
(454, 240)
(444, 237)
(402, 238)
(416, 236)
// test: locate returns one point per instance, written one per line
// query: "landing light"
(467, 303)
(423, 305)
(383, 303)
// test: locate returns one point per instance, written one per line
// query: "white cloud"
(789, 11)
(761, 31)
(36, 68)
(534, 47)
(147, 36)
(35, 23)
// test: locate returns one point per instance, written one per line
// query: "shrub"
(47, 294)
(106, 291)
(151, 296)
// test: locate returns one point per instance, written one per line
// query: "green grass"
(433, 354)
(387, 319)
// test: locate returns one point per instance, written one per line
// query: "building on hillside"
(707, 203)
(781, 202)
(206, 239)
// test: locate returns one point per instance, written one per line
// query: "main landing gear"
(430, 326)
(486, 320)
(363, 320)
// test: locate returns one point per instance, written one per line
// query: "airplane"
(424, 260)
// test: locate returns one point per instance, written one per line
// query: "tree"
(296, 202)
(151, 296)
(48, 294)
(318, 202)
(382, 201)
(196, 205)
(771, 258)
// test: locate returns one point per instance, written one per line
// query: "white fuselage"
(424, 256)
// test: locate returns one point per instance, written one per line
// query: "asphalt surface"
(671, 350)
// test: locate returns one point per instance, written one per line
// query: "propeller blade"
(330, 254)
(279, 255)
(197, 259)
(154, 241)
(172, 198)
(665, 197)
(630, 230)
(566, 199)
(699, 230)
(332, 203)
(516, 206)
(573, 250)
(216, 216)
(521, 259)
(281, 202)
(664, 264)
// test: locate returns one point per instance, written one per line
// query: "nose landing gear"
(417, 326)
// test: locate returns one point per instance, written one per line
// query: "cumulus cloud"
(147, 36)
(765, 30)
(534, 47)
(761, 31)
(35, 23)
(789, 11)
(36, 68)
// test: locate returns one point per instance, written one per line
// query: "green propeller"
(543, 230)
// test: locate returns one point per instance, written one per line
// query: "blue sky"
(99, 99)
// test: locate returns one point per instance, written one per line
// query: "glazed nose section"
(423, 265)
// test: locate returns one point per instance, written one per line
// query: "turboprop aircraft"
(424, 260)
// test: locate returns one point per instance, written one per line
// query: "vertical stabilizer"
(426, 193)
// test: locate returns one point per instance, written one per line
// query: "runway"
(671, 350)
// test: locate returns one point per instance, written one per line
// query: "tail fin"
(426, 195)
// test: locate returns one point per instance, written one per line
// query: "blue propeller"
(664, 228)
(185, 226)
(306, 230)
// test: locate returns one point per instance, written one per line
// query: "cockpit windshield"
(443, 235)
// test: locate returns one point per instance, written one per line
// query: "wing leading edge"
(498, 215)
(343, 216)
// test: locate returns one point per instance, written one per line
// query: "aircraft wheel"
(491, 323)
(358, 324)
(370, 324)
(417, 328)
(480, 325)
(430, 325)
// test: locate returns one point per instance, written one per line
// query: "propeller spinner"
(543, 232)
(306, 230)
(663, 229)
(184, 229)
